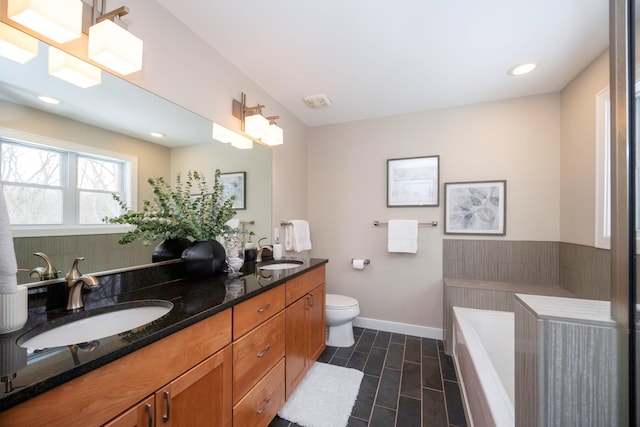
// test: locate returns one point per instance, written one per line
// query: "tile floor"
(408, 381)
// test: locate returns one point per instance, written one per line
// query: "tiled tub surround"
(486, 274)
(581, 270)
(35, 372)
(557, 383)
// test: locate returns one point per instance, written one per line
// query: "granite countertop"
(26, 373)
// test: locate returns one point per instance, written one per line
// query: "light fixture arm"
(93, 15)
(240, 109)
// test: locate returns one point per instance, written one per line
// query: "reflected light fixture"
(72, 69)
(111, 45)
(16, 45)
(260, 129)
(60, 20)
(227, 136)
(48, 100)
(157, 134)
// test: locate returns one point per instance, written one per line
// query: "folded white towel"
(8, 264)
(403, 236)
(297, 236)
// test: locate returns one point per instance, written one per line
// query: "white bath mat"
(324, 398)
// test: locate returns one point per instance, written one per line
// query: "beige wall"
(517, 140)
(578, 158)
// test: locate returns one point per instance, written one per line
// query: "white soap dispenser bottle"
(277, 247)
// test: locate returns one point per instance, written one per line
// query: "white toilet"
(340, 311)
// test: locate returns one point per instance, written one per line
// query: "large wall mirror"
(117, 115)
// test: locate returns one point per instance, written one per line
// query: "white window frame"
(130, 175)
(603, 166)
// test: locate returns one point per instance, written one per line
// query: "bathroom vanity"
(229, 352)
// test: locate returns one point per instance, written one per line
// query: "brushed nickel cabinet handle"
(167, 398)
(265, 308)
(149, 414)
(263, 352)
(311, 300)
(266, 403)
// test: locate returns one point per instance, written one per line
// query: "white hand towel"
(297, 236)
(8, 264)
(403, 236)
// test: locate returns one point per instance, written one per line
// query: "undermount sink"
(92, 325)
(280, 265)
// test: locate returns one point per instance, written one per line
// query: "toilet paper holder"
(366, 261)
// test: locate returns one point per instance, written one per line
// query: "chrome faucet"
(47, 272)
(262, 248)
(75, 280)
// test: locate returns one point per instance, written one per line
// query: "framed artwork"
(235, 184)
(475, 207)
(413, 181)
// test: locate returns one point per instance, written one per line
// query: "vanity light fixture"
(522, 69)
(73, 70)
(227, 136)
(59, 20)
(260, 129)
(111, 45)
(16, 45)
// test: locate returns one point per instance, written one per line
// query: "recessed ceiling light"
(522, 69)
(157, 134)
(48, 100)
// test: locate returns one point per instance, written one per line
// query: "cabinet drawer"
(298, 287)
(249, 314)
(262, 403)
(256, 353)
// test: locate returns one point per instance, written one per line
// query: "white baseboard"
(399, 328)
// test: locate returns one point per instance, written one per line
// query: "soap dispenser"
(277, 247)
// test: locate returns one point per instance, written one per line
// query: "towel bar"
(284, 223)
(425, 224)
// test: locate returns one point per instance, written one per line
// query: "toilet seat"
(340, 302)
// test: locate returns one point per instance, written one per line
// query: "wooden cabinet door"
(140, 415)
(201, 397)
(296, 343)
(317, 331)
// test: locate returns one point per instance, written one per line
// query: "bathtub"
(483, 354)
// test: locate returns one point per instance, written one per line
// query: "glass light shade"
(257, 126)
(59, 20)
(222, 134)
(276, 135)
(73, 70)
(115, 48)
(242, 143)
(16, 45)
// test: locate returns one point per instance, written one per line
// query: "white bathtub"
(483, 353)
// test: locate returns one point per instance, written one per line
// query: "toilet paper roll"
(358, 264)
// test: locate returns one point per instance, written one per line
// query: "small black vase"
(204, 258)
(170, 249)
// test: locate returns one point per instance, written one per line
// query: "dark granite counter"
(25, 373)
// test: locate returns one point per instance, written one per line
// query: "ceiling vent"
(317, 101)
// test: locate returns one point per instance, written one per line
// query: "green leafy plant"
(189, 210)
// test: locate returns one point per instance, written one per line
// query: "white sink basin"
(280, 265)
(95, 324)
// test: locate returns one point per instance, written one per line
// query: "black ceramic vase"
(170, 249)
(204, 258)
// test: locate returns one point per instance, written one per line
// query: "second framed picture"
(475, 207)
